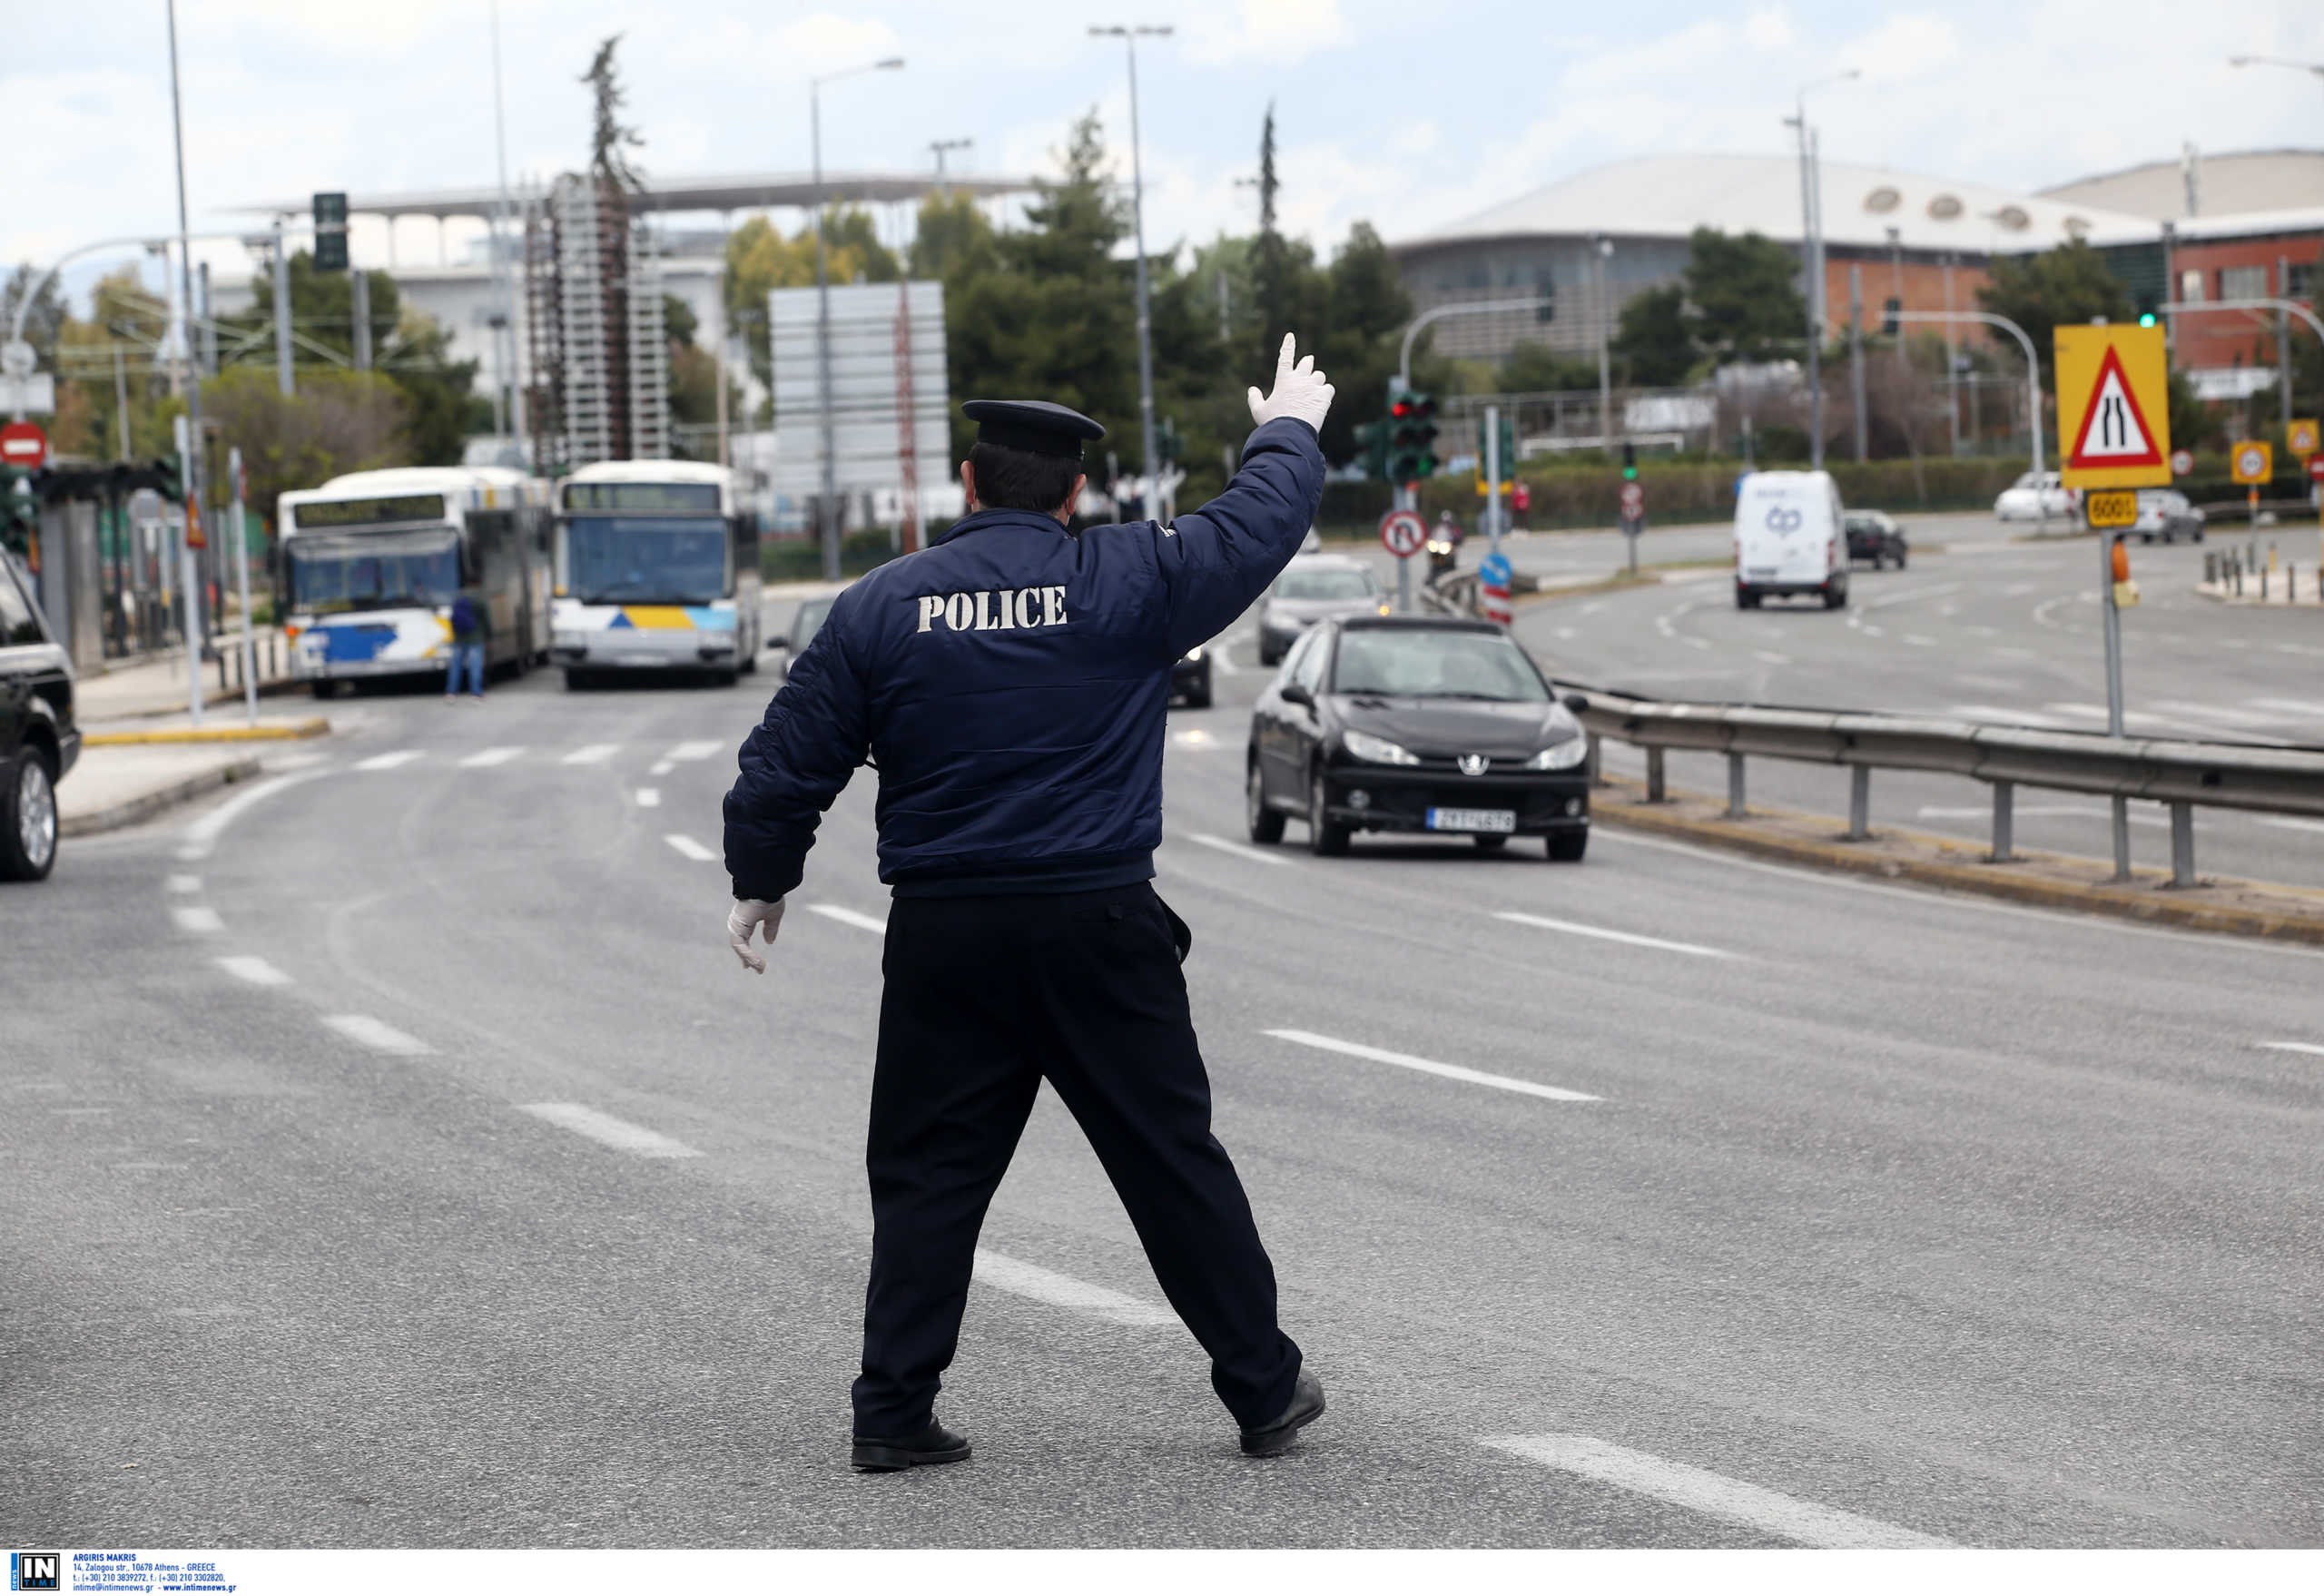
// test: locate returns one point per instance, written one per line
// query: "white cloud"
(1768, 28)
(1911, 45)
(1275, 32)
(1416, 138)
(825, 42)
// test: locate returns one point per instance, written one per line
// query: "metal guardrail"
(2281, 780)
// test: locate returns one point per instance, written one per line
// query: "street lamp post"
(940, 146)
(828, 509)
(1811, 250)
(193, 458)
(1602, 250)
(1129, 38)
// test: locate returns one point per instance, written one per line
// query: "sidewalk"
(110, 788)
(158, 686)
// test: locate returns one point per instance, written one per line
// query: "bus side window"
(746, 543)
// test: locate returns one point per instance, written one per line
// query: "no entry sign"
(1403, 533)
(23, 443)
(1633, 501)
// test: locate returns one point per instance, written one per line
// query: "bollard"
(1859, 802)
(1734, 810)
(2264, 584)
(1654, 775)
(2182, 844)
(2210, 569)
(2121, 839)
(2005, 814)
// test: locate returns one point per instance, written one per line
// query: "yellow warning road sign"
(2110, 507)
(2299, 437)
(2113, 406)
(2254, 461)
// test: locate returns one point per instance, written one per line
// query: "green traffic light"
(1629, 473)
(2147, 320)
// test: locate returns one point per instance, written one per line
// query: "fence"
(2179, 774)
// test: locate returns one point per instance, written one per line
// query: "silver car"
(1315, 587)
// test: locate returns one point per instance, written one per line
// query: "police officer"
(1008, 684)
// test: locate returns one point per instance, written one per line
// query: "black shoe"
(885, 1454)
(1306, 1407)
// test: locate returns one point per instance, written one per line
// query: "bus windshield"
(375, 571)
(646, 559)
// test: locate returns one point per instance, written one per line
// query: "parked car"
(1874, 536)
(1315, 587)
(1788, 540)
(2032, 498)
(1416, 724)
(1190, 677)
(38, 741)
(2164, 513)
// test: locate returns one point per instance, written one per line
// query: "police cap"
(1035, 425)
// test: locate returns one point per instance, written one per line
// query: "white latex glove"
(747, 915)
(1300, 390)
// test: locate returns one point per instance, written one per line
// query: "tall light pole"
(939, 147)
(1602, 250)
(1811, 252)
(827, 510)
(1129, 38)
(505, 402)
(185, 275)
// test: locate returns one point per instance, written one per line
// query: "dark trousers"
(986, 997)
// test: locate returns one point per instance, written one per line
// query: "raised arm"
(1217, 560)
(815, 733)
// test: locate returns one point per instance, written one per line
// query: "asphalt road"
(1982, 628)
(395, 1154)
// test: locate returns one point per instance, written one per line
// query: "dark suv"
(38, 742)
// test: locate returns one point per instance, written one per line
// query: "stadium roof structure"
(1668, 196)
(2234, 183)
(734, 192)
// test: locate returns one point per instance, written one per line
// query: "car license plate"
(1471, 820)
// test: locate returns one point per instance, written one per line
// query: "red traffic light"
(1401, 408)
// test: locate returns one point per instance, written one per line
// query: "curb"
(148, 804)
(315, 726)
(2148, 902)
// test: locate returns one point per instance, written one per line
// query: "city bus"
(371, 562)
(657, 569)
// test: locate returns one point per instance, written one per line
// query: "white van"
(1789, 539)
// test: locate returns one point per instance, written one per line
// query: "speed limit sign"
(1403, 533)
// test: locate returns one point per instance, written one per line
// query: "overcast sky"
(1378, 117)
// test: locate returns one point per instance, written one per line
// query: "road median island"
(2051, 881)
(110, 788)
(264, 732)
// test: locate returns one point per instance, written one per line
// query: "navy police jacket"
(1008, 684)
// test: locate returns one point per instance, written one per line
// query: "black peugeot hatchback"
(1416, 724)
(38, 741)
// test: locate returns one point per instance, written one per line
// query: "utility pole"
(358, 299)
(1602, 247)
(284, 377)
(938, 146)
(827, 510)
(508, 403)
(1129, 38)
(192, 388)
(2283, 339)
(1856, 352)
(1811, 250)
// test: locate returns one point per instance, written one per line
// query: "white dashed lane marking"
(1308, 1039)
(2294, 1047)
(649, 797)
(254, 970)
(1240, 851)
(185, 883)
(1771, 1512)
(689, 847)
(1573, 928)
(702, 750)
(388, 761)
(608, 1131)
(377, 1035)
(483, 758)
(196, 919)
(1062, 1291)
(591, 754)
(845, 916)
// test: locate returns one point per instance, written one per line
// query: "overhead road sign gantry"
(2114, 405)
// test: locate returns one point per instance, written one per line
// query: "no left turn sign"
(1403, 533)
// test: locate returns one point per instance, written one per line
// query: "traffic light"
(2146, 318)
(1892, 317)
(1372, 438)
(1630, 462)
(330, 233)
(169, 477)
(1412, 436)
